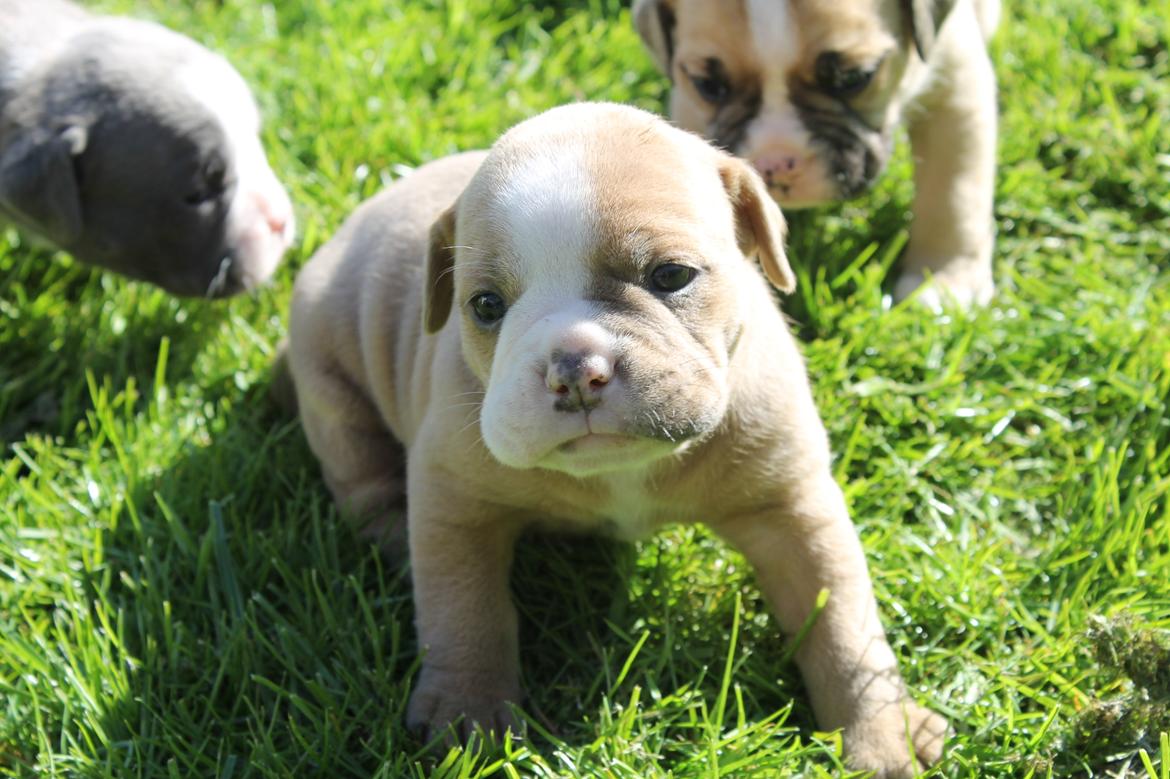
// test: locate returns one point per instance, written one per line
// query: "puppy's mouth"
(592, 454)
(592, 443)
(222, 282)
(783, 194)
(231, 278)
(598, 450)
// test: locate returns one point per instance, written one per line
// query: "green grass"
(177, 599)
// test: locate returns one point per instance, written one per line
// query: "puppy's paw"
(389, 533)
(441, 699)
(897, 742)
(964, 290)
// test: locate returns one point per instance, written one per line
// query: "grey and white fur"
(136, 149)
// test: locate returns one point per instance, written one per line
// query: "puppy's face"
(153, 165)
(808, 90)
(598, 262)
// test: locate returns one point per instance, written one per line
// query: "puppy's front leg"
(460, 556)
(851, 673)
(953, 142)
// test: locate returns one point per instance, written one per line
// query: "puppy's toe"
(908, 283)
(928, 731)
(449, 704)
(389, 533)
(897, 742)
(963, 290)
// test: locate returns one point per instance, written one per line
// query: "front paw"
(465, 702)
(962, 288)
(897, 741)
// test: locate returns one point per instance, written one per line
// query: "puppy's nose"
(777, 169)
(276, 215)
(577, 379)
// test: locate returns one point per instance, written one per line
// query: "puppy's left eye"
(671, 277)
(838, 80)
(710, 89)
(214, 183)
(712, 83)
(488, 308)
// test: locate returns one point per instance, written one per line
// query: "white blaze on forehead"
(775, 35)
(547, 205)
(778, 128)
(217, 85)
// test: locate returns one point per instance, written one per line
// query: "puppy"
(134, 148)
(569, 331)
(811, 92)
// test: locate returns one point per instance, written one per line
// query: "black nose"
(577, 379)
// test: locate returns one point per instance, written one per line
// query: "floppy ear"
(926, 17)
(655, 22)
(440, 272)
(38, 184)
(759, 225)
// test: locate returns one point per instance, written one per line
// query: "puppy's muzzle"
(580, 364)
(578, 379)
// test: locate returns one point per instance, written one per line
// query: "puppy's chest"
(626, 507)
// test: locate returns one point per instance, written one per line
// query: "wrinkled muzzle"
(570, 392)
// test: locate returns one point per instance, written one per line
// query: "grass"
(177, 600)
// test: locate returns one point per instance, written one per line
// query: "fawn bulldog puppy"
(136, 149)
(811, 91)
(569, 331)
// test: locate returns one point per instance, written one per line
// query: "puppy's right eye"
(711, 83)
(671, 277)
(488, 308)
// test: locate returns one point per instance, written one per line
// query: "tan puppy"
(569, 330)
(811, 91)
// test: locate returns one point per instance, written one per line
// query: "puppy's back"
(374, 264)
(29, 32)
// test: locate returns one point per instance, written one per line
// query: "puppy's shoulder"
(391, 227)
(410, 205)
(371, 265)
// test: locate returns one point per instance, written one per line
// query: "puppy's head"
(144, 157)
(808, 90)
(595, 266)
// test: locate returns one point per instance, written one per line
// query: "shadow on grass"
(262, 633)
(599, 619)
(62, 323)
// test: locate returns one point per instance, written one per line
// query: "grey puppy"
(136, 149)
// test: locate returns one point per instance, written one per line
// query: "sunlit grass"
(177, 600)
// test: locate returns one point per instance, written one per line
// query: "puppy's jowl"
(570, 329)
(134, 148)
(811, 92)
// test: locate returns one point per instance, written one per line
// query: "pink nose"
(777, 168)
(578, 379)
(276, 222)
(275, 216)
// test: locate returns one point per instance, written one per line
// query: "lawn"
(177, 599)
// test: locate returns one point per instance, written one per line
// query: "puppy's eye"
(838, 80)
(712, 83)
(710, 89)
(488, 308)
(671, 277)
(213, 183)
